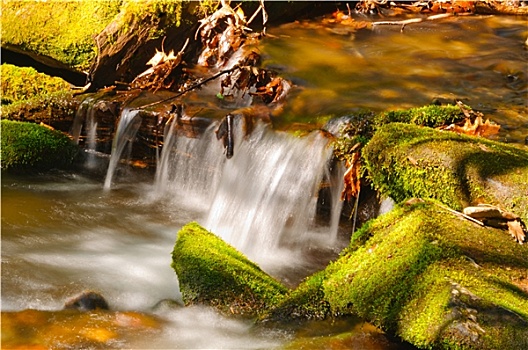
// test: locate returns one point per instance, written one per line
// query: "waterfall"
(86, 108)
(260, 194)
(264, 197)
(267, 195)
(129, 123)
(189, 168)
(91, 131)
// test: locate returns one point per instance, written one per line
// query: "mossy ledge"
(428, 276)
(211, 272)
(405, 161)
(29, 147)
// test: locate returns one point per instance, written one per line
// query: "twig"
(355, 211)
(461, 214)
(197, 85)
(412, 20)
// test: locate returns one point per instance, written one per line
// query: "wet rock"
(31, 148)
(87, 301)
(166, 305)
(427, 275)
(410, 161)
(211, 272)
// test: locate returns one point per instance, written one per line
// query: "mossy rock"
(23, 83)
(407, 161)
(211, 272)
(431, 115)
(29, 147)
(63, 32)
(432, 278)
(306, 302)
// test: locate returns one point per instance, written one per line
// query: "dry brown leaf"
(352, 177)
(517, 231)
(476, 128)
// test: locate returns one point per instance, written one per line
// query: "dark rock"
(86, 301)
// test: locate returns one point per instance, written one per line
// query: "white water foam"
(129, 123)
(261, 200)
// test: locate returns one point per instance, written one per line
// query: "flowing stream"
(63, 233)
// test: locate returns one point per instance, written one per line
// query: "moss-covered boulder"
(406, 161)
(63, 33)
(429, 276)
(29, 147)
(212, 272)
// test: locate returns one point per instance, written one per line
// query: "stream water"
(63, 233)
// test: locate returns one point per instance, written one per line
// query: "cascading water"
(267, 195)
(86, 108)
(188, 169)
(91, 131)
(129, 123)
(262, 199)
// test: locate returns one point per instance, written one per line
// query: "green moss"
(212, 272)
(432, 116)
(167, 12)
(28, 147)
(417, 277)
(361, 128)
(409, 161)
(456, 307)
(306, 302)
(19, 84)
(51, 109)
(62, 30)
(405, 254)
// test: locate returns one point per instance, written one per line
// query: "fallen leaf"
(476, 128)
(517, 231)
(352, 177)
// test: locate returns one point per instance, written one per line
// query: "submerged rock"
(70, 329)
(212, 272)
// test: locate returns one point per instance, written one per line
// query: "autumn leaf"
(517, 231)
(352, 177)
(475, 128)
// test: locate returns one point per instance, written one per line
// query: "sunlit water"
(65, 233)
(480, 60)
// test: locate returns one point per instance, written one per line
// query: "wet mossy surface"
(63, 32)
(29, 148)
(425, 270)
(428, 276)
(306, 302)
(406, 161)
(211, 272)
(431, 116)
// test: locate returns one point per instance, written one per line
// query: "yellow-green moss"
(409, 161)
(53, 109)
(62, 30)
(28, 147)
(431, 277)
(212, 272)
(406, 277)
(360, 128)
(19, 84)
(167, 11)
(431, 115)
(306, 302)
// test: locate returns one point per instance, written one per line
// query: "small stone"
(86, 301)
